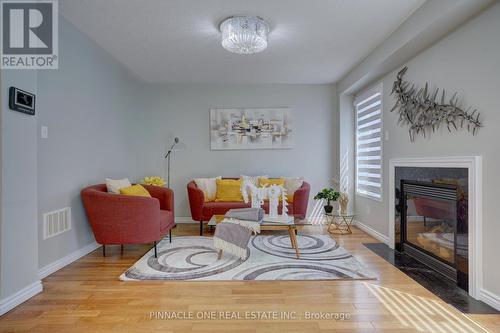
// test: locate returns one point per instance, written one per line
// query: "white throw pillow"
(292, 184)
(254, 180)
(114, 186)
(208, 186)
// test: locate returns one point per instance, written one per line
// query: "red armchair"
(121, 219)
(203, 211)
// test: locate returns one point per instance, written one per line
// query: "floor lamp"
(167, 156)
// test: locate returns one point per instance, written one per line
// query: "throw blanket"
(233, 233)
(253, 226)
(248, 214)
(232, 238)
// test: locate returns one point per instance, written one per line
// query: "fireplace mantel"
(474, 167)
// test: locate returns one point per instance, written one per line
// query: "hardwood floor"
(87, 296)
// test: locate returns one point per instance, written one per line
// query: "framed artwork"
(251, 128)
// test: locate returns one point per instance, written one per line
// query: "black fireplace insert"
(434, 227)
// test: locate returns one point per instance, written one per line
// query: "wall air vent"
(56, 222)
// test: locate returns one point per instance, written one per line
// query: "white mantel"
(475, 207)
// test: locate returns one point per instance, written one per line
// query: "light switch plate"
(45, 132)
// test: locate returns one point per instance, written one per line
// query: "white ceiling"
(311, 41)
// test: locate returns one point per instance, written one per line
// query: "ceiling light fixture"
(244, 34)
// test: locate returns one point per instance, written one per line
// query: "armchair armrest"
(164, 195)
(196, 201)
(300, 200)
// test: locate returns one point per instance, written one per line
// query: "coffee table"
(267, 226)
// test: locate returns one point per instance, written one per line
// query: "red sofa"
(203, 211)
(121, 219)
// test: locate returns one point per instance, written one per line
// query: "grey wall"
(18, 201)
(102, 122)
(183, 110)
(466, 61)
(89, 105)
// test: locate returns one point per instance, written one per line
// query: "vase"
(343, 202)
(328, 209)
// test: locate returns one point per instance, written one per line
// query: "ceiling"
(313, 41)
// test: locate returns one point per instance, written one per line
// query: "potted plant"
(328, 194)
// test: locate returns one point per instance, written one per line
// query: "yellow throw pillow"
(228, 190)
(289, 198)
(135, 190)
(271, 181)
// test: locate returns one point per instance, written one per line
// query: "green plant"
(329, 194)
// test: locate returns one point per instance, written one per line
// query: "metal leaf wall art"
(425, 111)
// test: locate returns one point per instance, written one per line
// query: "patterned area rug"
(270, 257)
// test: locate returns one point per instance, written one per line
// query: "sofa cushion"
(229, 190)
(135, 190)
(208, 186)
(114, 185)
(221, 208)
(166, 220)
(271, 181)
(254, 180)
(292, 184)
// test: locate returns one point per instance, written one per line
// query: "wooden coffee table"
(266, 226)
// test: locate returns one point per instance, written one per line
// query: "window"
(368, 109)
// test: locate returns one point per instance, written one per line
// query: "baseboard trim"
(372, 232)
(489, 298)
(19, 297)
(185, 220)
(64, 261)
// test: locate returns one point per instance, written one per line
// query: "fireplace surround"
(462, 174)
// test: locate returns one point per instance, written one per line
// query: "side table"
(340, 223)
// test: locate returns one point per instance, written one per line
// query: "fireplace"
(433, 227)
(463, 173)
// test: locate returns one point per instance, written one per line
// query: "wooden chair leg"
(103, 250)
(201, 228)
(156, 251)
(170, 235)
(121, 248)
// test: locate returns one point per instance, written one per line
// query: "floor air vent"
(56, 222)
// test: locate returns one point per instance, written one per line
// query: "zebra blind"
(368, 109)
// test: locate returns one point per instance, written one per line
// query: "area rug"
(270, 257)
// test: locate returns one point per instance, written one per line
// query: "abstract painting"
(251, 128)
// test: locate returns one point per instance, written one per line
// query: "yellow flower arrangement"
(153, 180)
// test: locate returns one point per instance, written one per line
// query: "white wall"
(90, 105)
(18, 202)
(466, 61)
(183, 110)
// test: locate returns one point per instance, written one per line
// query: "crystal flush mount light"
(244, 34)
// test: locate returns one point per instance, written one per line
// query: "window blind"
(368, 108)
